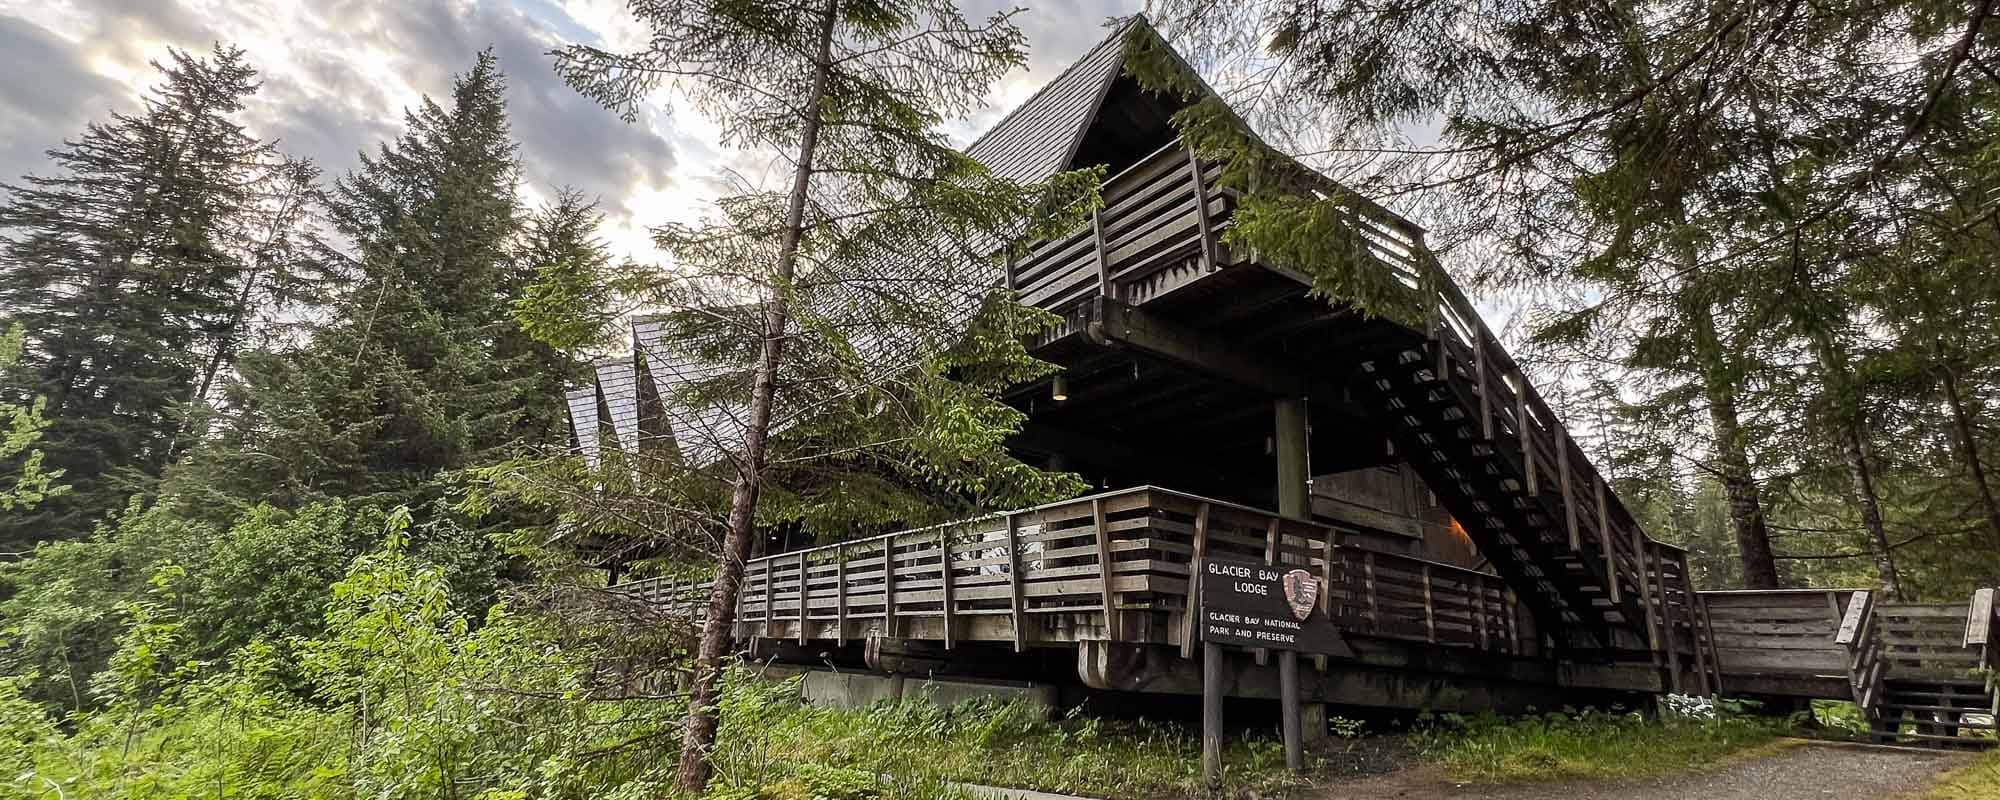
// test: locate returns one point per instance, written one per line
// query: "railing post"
(1526, 429)
(1605, 540)
(805, 596)
(889, 586)
(1103, 258)
(770, 607)
(1569, 502)
(1208, 258)
(840, 595)
(1430, 612)
(1014, 582)
(1195, 566)
(944, 573)
(1105, 567)
(1485, 390)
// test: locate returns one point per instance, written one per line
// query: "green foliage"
(128, 267)
(1588, 744)
(20, 426)
(418, 367)
(768, 738)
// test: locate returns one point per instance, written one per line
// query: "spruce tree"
(860, 274)
(120, 266)
(417, 366)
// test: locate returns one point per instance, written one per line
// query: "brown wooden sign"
(1251, 605)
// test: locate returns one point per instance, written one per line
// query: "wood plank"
(1605, 540)
(840, 612)
(1430, 608)
(1569, 503)
(1850, 624)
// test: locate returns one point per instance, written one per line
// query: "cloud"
(50, 94)
(338, 75)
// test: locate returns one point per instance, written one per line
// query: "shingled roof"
(1033, 142)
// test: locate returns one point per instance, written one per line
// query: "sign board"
(1247, 604)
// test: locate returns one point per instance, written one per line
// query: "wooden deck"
(1038, 577)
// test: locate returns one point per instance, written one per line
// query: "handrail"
(1858, 633)
(1102, 553)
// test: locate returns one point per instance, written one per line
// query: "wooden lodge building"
(1474, 557)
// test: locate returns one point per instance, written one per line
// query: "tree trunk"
(1852, 425)
(1968, 446)
(698, 737)
(1746, 506)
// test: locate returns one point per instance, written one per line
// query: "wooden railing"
(1114, 566)
(1158, 229)
(1861, 635)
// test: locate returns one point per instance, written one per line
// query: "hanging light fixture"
(1059, 389)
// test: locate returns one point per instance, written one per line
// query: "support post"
(805, 596)
(1288, 702)
(1211, 714)
(1196, 565)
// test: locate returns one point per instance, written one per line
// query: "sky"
(338, 74)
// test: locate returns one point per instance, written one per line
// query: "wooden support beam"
(805, 596)
(1105, 568)
(1014, 583)
(944, 573)
(1116, 324)
(1192, 613)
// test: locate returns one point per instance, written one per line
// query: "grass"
(1592, 745)
(1979, 780)
(774, 748)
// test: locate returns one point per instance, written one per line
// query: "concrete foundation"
(857, 689)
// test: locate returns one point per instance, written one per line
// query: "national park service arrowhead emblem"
(1301, 593)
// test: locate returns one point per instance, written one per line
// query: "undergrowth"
(1979, 780)
(1588, 744)
(771, 740)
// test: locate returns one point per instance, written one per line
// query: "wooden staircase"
(1458, 408)
(1918, 670)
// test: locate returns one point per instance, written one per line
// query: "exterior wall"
(1393, 512)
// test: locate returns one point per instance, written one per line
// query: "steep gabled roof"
(1037, 139)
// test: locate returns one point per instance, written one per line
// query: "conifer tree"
(20, 426)
(862, 273)
(418, 366)
(119, 266)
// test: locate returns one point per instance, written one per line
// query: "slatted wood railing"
(1866, 665)
(1158, 229)
(1040, 576)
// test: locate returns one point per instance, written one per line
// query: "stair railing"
(1865, 665)
(1980, 624)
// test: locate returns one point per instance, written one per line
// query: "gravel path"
(1810, 770)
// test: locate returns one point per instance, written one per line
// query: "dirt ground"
(1808, 770)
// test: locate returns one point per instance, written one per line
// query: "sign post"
(1250, 605)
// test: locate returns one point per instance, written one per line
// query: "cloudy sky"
(337, 75)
